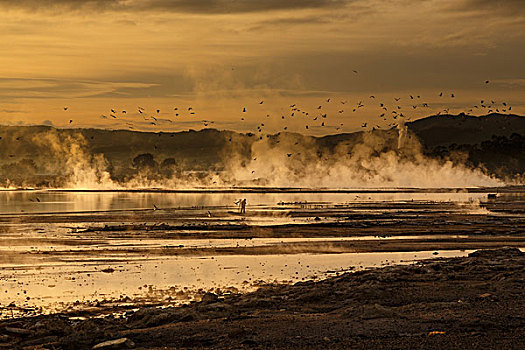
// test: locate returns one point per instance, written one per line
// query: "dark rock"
(122, 343)
(51, 326)
(18, 331)
(496, 253)
(39, 341)
(249, 342)
(209, 298)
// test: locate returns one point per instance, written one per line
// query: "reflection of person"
(242, 205)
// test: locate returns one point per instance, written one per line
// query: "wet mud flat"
(476, 301)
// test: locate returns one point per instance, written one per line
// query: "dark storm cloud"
(183, 6)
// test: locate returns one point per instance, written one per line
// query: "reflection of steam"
(369, 160)
(474, 206)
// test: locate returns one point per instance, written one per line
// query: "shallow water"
(55, 287)
(48, 261)
(12, 202)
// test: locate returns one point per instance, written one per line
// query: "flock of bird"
(389, 113)
(153, 119)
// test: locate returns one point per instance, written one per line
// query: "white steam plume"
(375, 160)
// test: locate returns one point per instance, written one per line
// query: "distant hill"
(495, 142)
(444, 130)
(120, 146)
(37, 153)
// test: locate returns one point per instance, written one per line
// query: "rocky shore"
(460, 303)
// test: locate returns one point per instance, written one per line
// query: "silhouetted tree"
(169, 167)
(168, 163)
(145, 160)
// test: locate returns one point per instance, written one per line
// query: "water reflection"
(58, 202)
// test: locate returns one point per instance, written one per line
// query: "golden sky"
(220, 56)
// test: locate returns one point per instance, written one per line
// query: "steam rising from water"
(373, 160)
(402, 133)
(79, 168)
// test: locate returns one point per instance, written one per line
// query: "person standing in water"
(242, 205)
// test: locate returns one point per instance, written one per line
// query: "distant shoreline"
(503, 189)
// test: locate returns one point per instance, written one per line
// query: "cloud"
(507, 7)
(52, 88)
(10, 111)
(181, 6)
(515, 82)
(310, 19)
